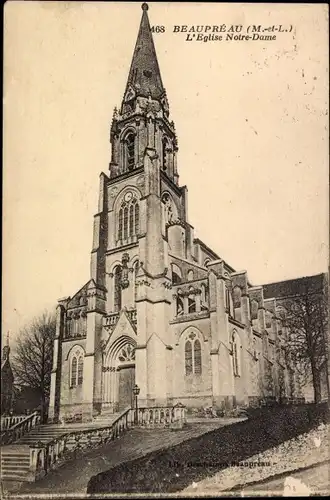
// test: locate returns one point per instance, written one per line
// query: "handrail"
(47, 456)
(20, 428)
(10, 420)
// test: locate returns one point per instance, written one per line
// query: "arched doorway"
(119, 375)
(126, 377)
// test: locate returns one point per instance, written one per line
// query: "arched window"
(176, 274)
(254, 309)
(136, 217)
(190, 275)
(169, 209)
(68, 327)
(179, 307)
(75, 325)
(120, 224)
(131, 220)
(80, 370)
(164, 155)
(117, 288)
(125, 225)
(204, 296)
(73, 381)
(76, 367)
(254, 347)
(188, 357)
(268, 319)
(191, 304)
(206, 262)
(237, 296)
(236, 355)
(197, 357)
(128, 217)
(229, 302)
(193, 355)
(83, 324)
(129, 143)
(135, 273)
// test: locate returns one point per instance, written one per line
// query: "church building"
(161, 309)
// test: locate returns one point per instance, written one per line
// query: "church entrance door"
(126, 381)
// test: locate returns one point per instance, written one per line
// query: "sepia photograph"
(165, 250)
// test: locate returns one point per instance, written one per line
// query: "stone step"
(15, 466)
(17, 450)
(15, 463)
(15, 477)
(15, 458)
(29, 441)
(15, 454)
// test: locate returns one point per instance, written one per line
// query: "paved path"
(73, 476)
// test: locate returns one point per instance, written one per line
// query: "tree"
(306, 317)
(32, 363)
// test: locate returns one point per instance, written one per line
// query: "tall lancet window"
(129, 151)
(128, 217)
(236, 353)
(117, 288)
(193, 355)
(135, 273)
(164, 156)
(76, 364)
(170, 213)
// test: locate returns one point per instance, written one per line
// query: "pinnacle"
(144, 6)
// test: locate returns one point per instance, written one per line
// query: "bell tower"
(143, 118)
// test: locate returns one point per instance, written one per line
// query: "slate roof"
(144, 74)
(294, 287)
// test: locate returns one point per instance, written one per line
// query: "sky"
(251, 120)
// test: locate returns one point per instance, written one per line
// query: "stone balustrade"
(110, 319)
(159, 416)
(132, 314)
(20, 428)
(45, 457)
(10, 420)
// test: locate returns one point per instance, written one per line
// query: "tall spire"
(144, 75)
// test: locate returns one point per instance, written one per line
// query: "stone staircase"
(15, 463)
(15, 458)
(32, 451)
(105, 417)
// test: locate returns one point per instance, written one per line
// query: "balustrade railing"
(159, 416)
(132, 315)
(110, 319)
(47, 456)
(18, 430)
(10, 420)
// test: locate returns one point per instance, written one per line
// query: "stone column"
(55, 384)
(92, 381)
(198, 302)
(153, 298)
(221, 360)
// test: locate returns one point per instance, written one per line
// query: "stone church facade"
(161, 309)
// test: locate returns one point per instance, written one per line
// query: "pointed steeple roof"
(144, 74)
